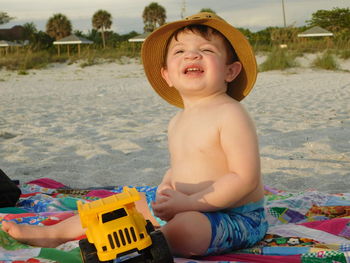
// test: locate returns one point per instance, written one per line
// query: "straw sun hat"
(153, 53)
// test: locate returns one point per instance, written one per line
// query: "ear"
(232, 71)
(165, 75)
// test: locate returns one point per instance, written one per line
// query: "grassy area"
(326, 61)
(25, 59)
(344, 54)
(279, 59)
(29, 60)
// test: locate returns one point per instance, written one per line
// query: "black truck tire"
(88, 252)
(159, 250)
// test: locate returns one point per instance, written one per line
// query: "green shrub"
(344, 54)
(24, 61)
(22, 72)
(89, 62)
(278, 59)
(326, 61)
(36, 60)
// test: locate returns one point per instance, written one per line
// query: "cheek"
(172, 64)
(173, 69)
(218, 68)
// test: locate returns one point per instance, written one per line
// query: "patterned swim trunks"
(237, 228)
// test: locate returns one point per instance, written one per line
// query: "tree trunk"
(103, 38)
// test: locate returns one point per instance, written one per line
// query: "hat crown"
(203, 15)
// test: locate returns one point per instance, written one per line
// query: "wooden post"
(68, 50)
(58, 50)
(79, 50)
(329, 42)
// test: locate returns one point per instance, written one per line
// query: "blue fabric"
(151, 197)
(237, 228)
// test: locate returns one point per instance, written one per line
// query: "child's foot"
(31, 235)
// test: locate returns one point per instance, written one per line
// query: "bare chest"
(194, 136)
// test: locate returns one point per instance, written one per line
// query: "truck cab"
(114, 229)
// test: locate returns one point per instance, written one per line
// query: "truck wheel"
(159, 250)
(149, 227)
(88, 251)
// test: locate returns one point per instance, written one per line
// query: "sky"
(127, 14)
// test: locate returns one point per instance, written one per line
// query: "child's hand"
(160, 189)
(169, 203)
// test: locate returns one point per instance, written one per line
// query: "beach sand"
(104, 125)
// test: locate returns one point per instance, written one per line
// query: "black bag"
(9, 192)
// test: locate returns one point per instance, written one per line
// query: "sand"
(103, 125)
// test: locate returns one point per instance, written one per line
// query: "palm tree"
(4, 18)
(58, 26)
(153, 15)
(29, 33)
(102, 20)
(29, 30)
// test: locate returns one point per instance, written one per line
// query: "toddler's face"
(195, 64)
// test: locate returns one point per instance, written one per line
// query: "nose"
(192, 54)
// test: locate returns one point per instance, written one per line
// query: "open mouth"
(193, 70)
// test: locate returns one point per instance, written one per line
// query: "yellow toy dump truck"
(117, 232)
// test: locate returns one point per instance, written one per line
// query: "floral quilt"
(304, 227)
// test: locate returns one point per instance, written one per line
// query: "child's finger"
(162, 198)
(167, 192)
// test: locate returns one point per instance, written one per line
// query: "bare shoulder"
(236, 126)
(233, 111)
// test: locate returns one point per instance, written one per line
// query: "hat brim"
(153, 54)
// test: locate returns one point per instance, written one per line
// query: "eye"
(207, 50)
(179, 51)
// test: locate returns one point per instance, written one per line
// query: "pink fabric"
(47, 182)
(100, 193)
(333, 226)
(256, 258)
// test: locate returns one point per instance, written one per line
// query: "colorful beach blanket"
(305, 227)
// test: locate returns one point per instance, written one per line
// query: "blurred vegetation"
(279, 59)
(344, 54)
(282, 45)
(326, 61)
(24, 58)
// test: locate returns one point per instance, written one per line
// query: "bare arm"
(166, 182)
(240, 145)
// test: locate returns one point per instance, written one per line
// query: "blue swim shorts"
(237, 228)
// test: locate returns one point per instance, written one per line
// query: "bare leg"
(188, 234)
(54, 235)
(45, 236)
